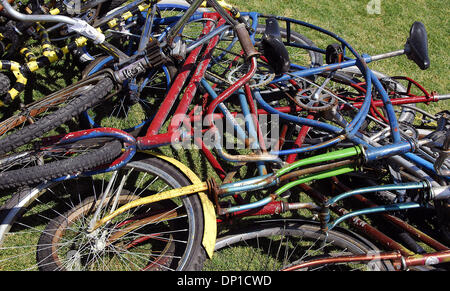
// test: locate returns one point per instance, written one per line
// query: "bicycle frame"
(154, 139)
(266, 206)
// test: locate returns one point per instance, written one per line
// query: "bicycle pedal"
(154, 55)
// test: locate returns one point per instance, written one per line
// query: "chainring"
(263, 76)
(310, 100)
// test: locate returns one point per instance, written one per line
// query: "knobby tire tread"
(49, 171)
(62, 115)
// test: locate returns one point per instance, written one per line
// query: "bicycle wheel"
(51, 112)
(46, 227)
(28, 163)
(278, 244)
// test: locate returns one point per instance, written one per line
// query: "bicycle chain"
(326, 104)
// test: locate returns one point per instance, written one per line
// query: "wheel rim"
(49, 209)
(281, 245)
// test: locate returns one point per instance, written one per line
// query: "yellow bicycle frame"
(209, 214)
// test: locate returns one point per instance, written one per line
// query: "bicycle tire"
(57, 118)
(33, 212)
(60, 168)
(38, 107)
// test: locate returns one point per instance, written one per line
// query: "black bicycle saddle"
(273, 48)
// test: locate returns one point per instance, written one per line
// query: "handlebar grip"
(246, 41)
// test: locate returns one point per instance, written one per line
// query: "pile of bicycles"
(310, 159)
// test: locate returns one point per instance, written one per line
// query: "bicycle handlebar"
(75, 24)
(1, 6)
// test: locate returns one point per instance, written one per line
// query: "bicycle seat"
(273, 48)
(416, 47)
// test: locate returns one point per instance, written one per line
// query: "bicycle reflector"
(334, 53)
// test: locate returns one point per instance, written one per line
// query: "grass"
(371, 34)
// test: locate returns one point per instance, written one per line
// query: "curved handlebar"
(75, 24)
